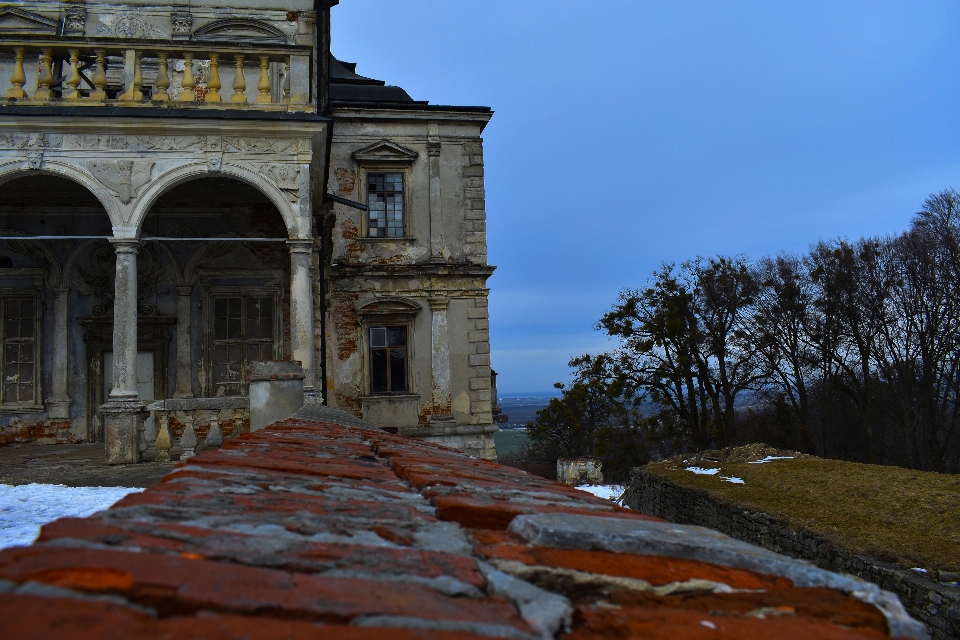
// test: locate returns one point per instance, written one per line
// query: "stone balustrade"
(187, 408)
(125, 73)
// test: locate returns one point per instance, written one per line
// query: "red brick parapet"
(317, 530)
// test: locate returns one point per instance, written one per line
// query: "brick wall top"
(320, 530)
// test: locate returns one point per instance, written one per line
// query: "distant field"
(522, 409)
(896, 515)
(509, 442)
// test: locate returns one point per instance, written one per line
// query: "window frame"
(405, 170)
(406, 356)
(387, 311)
(36, 295)
(211, 293)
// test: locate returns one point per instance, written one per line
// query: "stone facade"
(161, 229)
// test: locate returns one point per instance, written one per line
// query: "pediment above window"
(17, 21)
(385, 151)
(388, 307)
(241, 30)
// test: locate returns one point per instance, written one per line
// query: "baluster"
(46, 76)
(18, 78)
(214, 437)
(286, 82)
(73, 81)
(213, 84)
(163, 78)
(264, 86)
(189, 84)
(237, 422)
(162, 442)
(100, 78)
(189, 438)
(134, 93)
(239, 83)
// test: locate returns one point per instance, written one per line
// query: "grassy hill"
(911, 518)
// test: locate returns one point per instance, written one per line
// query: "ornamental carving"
(96, 277)
(131, 24)
(181, 24)
(143, 143)
(74, 20)
(123, 177)
(284, 176)
(30, 141)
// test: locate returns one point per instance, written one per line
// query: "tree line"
(847, 351)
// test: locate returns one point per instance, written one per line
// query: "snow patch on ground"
(700, 471)
(25, 508)
(733, 479)
(770, 459)
(605, 491)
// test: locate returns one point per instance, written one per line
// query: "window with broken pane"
(385, 203)
(19, 331)
(388, 360)
(243, 332)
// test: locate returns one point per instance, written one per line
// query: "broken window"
(385, 202)
(243, 332)
(388, 359)
(19, 331)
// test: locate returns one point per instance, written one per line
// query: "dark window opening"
(385, 202)
(19, 350)
(243, 328)
(388, 359)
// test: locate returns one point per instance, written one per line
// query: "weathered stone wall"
(327, 528)
(938, 606)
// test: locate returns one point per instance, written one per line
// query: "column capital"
(126, 245)
(438, 304)
(185, 290)
(300, 245)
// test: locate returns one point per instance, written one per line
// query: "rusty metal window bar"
(243, 332)
(388, 360)
(19, 346)
(385, 205)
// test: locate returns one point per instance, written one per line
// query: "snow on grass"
(770, 459)
(605, 491)
(733, 479)
(700, 471)
(25, 508)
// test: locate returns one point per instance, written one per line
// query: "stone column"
(59, 402)
(184, 382)
(441, 360)
(436, 208)
(124, 412)
(301, 313)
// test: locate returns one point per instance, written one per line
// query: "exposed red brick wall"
(38, 432)
(315, 530)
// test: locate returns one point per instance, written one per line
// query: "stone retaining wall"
(323, 528)
(938, 606)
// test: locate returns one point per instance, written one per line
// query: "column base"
(122, 423)
(311, 396)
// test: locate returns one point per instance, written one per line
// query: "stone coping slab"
(200, 404)
(312, 528)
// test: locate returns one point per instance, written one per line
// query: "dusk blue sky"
(627, 134)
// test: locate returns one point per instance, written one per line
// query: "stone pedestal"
(122, 423)
(276, 392)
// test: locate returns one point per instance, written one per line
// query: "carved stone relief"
(74, 20)
(30, 141)
(123, 177)
(181, 23)
(131, 24)
(285, 176)
(143, 143)
(96, 276)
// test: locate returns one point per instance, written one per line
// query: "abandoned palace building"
(188, 189)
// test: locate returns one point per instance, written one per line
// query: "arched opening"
(41, 342)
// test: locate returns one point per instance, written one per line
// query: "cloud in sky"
(630, 133)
